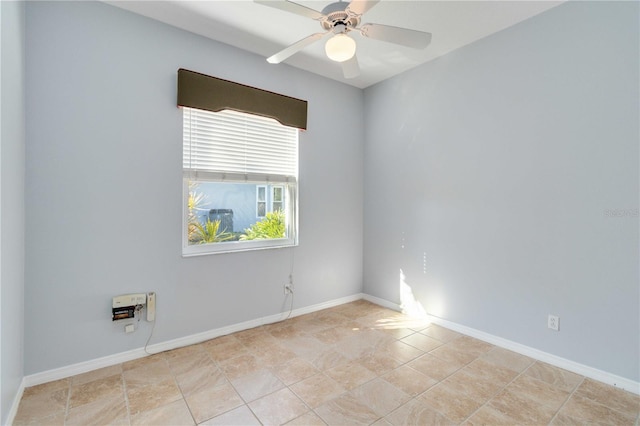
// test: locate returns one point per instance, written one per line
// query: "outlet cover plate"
(553, 322)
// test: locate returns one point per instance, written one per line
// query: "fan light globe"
(340, 48)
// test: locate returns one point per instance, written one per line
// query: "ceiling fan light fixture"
(340, 47)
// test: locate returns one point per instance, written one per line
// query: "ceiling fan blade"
(351, 68)
(289, 6)
(358, 7)
(402, 36)
(295, 48)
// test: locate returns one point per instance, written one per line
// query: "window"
(240, 182)
(277, 198)
(261, 201)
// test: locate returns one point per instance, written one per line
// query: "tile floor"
(353, 364)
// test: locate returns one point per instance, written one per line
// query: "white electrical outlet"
(553, 322)
(151, 306)
(129, 328)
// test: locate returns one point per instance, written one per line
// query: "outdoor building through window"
(240, 182)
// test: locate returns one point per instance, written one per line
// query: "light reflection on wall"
(408, 303)
(413, 307)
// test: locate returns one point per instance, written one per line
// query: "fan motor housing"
(336, 14)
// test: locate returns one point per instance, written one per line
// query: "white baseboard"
(109, 360)
(16, 403)
(575, 367)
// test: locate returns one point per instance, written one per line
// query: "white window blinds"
(238, 146)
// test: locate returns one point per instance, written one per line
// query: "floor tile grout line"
(575, 389)
(499, 391)
(184, 397)
(68, 406)
(126, 395)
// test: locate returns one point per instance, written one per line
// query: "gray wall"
(491, 176)
(104, 144)
(12, 170)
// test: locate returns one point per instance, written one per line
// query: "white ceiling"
(265, 30)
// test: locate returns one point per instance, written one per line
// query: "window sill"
(236, 247)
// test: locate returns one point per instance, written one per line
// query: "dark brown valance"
(201, 91)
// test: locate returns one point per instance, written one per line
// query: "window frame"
(258, 201)
(289, 187)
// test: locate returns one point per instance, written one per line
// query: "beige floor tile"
(42, 404)
(278, 407)
(175, 414)
(333, 335)
(470, 345)
(104, 411)
(182, 352)
(212, 402)
(401, 351)
(92, 391)
(422, 342)
(294, 371)
(308, 419)
(522, 410)
(101, 373)
(197, 379)
(538, 391)
(304, 346)
(317, 389)
(451, 402)
(558, 377)
(46, 387)
(617, 399)
(250, 334)
(351, 375)
(386, 318)
(379, 363)
(482, 370)
(256, 385)
(398, 333)
(327, 359)
(150, 372)
(308, 325)
(282, 331)
(346, 410)
(440, 333)
(52, 420)
(380, 396)
(453, 355)
(240, 366)
(489, 416)
(356, 347)
(481, 389)
(408, 380)
(330, 319)
(507, 359)
(258, 342)
(564, 420)
(241, 416)
(588, 411)
(143, 397)
(140, 362)
(226, 349)
(381, 422)
(221, 340)
(416, 412)
(184, 364)
(273, 355)
(435, 367)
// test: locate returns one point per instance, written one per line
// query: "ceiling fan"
(339, 19)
